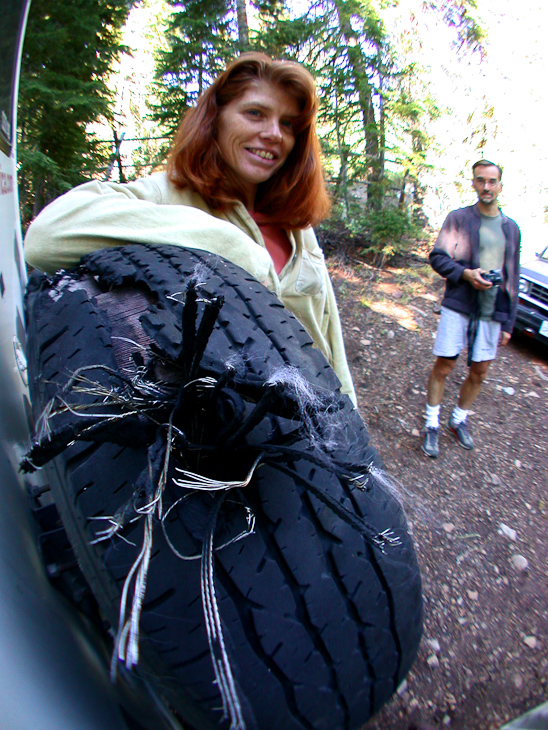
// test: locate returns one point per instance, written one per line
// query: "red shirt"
(276, 241)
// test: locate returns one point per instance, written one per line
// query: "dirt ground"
(479, 518)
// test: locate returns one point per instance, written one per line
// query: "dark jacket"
(457, 248)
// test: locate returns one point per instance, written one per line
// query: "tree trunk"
(401, 201)
(362, 86)
(382, 118)
(342, 182)
(243, 28)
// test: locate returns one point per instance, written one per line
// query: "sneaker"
(460, 432)
(430, 443)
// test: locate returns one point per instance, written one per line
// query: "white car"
(532, 314)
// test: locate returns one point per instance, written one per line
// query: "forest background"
(412, 92)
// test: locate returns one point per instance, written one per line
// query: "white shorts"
(452, 336)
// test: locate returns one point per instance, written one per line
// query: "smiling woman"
(243, 180)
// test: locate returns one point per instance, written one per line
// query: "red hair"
(295, 196)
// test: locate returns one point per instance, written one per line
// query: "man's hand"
(504, 338)
(474, 277)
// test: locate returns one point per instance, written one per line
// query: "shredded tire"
(314, 581)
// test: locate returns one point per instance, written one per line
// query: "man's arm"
(442, 256)
(453, 242)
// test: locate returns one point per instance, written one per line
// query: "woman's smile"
(263, 153)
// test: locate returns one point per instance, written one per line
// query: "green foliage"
(389, 230)
(374, 103)
(277, 33)
(201, 37)
(375, 106)
(347, 50)
(368, 113)
(463, 16)
(67, 55)
(199, 41)
(374, 234)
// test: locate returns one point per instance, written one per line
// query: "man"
(472, 242)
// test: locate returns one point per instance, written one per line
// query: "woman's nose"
(272, 130)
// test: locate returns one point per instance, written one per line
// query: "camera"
(494, 276)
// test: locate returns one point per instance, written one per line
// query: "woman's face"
(255, 134)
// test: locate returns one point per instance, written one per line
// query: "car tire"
(320, 603)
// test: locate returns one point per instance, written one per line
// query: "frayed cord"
(126, 644)
(316, 407)
(410, 502)
(43, 428)
(244, 533)
(199, 482)
(221, 663)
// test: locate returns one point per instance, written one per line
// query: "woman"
(243, 180)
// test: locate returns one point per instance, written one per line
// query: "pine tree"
(67, 54)
(374, 107)
(201, 37)
(199, 42)
(462, 16)
(346, 49)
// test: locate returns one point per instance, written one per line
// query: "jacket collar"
(477, 213)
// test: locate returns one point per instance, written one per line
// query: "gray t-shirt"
(492, 245)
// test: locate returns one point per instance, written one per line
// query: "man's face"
(487, 183)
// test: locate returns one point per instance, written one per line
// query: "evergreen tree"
(201, 37)
(276, 32)
(374, 108)
(67, 54)
(198, 43)
(462, 16)
(347, 50)
(243, 27)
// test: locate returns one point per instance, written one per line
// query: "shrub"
(376, 234)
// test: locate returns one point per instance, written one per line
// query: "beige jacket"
(152, 210)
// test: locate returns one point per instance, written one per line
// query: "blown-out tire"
(321, 603)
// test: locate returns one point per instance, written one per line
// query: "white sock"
(432, 416)
(459, 415)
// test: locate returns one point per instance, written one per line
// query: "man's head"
(487, 184)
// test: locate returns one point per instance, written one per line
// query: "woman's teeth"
(262, 153)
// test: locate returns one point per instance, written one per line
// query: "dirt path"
(481, 530)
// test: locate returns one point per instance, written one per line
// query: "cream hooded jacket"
(152, 210)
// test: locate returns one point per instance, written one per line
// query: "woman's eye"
(287, 125)
(255, 113)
